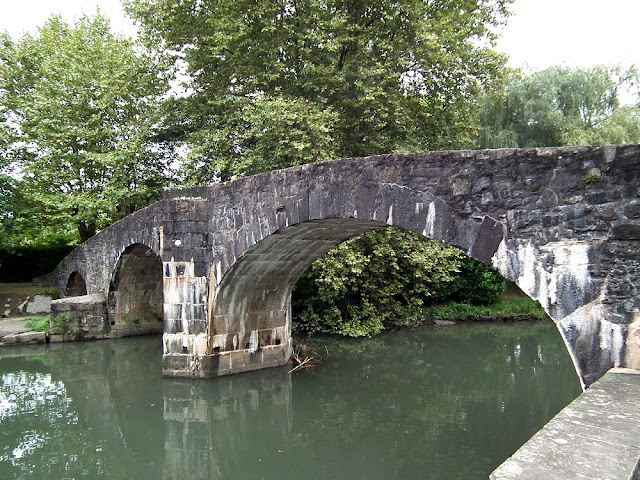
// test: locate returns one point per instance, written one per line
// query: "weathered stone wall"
(563, 223)
(78, 318)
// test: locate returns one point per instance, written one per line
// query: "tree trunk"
(86, 230)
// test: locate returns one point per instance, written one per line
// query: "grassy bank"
(502, 310)
(512, 305)
(39, 324)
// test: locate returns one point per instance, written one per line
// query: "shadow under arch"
(135, 294)
(76, 285)
(254, 296)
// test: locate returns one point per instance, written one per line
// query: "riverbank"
(19, 303)
(24, 301)
(504, 310)
(14, 331)
(512, 306)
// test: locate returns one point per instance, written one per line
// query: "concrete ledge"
(24, 338)
(224, 363)
(596, 437)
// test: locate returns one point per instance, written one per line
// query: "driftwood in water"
(304, 357)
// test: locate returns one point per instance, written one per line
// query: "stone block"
(39, 304)
(237, 361)
(626, 231)
(488, 238)
(24, 338)
(173, 326)
(199, 326)
(632, 211)
(81, 317)
(175, 365)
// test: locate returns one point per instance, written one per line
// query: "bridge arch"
(136, 289)
(76, 286)
(252, 307)
(255, 294)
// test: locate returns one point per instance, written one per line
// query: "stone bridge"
(214, 266)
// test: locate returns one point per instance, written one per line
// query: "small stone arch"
(135, 295)
(76, 286)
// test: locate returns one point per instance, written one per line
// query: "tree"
(78, 111)
(281, 82)
(276, 83)
(562, 106)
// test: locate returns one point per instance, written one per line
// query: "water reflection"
(429, 403)
(210, 426)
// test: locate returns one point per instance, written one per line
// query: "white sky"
(578, 33)
(541, 33)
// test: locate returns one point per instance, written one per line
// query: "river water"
(426, 403)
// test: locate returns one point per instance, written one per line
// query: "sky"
(539, 34)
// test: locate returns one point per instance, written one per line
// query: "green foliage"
(476, 283)
(130, 320)
(259, 134)
(385, 278)
(39, 324)
(26, 223)
(590, 179)
(515, 308)
(277, 83)
(62, 323)
(78, 110)
(23, 263)
(562, 106)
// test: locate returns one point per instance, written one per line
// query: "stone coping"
(83, 299)
(596, 437)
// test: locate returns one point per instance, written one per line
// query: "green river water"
(426, 403)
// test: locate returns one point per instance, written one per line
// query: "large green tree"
(78, 110)
(563, 106)
(275, 83)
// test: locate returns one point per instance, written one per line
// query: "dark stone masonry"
(217, 263)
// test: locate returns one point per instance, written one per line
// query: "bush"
(386, 278)
(476, 283)
(39, 324)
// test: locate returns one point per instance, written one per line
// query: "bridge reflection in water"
(451, 401)
(203, 421)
